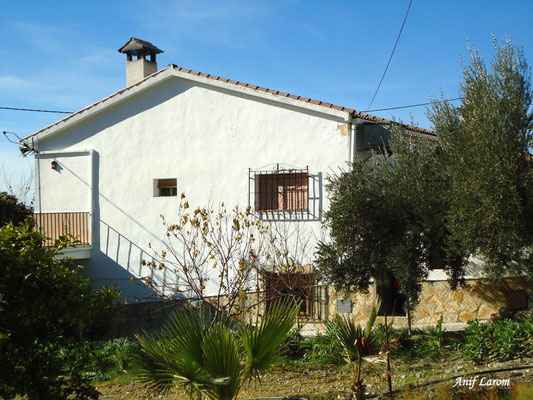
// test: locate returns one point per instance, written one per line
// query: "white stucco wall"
(205, 137)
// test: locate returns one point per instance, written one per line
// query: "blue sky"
(62, 55)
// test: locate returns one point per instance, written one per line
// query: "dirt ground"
(333, 382)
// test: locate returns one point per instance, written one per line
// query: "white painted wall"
(207, 137)
(66, 188)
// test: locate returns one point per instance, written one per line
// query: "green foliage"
(434, 343)
(207, 357)
(263, 343)
(293, 344)
(98, 361)
(44, 302)
(398, 337)
(502, 340)
(357, 341)
(11, 210)
(387, 219)
(324, 348)
(485, 145)
(469, 194)
(429, 342)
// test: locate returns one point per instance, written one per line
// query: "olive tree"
(470, 194)
(485, 144)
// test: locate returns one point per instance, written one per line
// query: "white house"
(108, 171)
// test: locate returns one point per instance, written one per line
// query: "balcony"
(55, 224)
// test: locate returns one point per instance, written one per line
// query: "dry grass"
(333, 382)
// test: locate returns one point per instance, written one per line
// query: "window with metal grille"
(282, 192)
(167, 187)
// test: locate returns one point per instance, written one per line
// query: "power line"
(390, 58)
(35, 110)
(414, 105)
(375, 110)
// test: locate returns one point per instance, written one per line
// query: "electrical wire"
(35, 110)
(374, 110)
(413, 105)
(390, 58)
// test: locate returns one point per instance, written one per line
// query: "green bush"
(322, 349)
(44, 301)
(293, 345)
(98, 361)
(507, 339)
(433, 342)
(502, 340)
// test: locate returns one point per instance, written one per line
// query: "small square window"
(166, 187)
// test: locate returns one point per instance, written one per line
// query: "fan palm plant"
(209, 357)
(358, 343)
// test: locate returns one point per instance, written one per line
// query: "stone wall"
(476, 299)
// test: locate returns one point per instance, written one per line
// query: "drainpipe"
(351, 128)
(38, 184)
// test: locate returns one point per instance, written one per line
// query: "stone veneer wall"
(477, 299)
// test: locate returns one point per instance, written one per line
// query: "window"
(392, 301)
(294, 286)
(282, 192)
(166, 187)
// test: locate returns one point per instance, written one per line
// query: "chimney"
(141, 67)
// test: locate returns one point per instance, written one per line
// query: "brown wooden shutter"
(165, 183)
(283, 192)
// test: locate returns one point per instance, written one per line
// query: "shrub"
(99, 361)
(507, 339)
(12, 210)
(43, 301)
(476, 345)
(502, 340)
(433, 343)
(294, 344)
(325, 348)
(208, 357)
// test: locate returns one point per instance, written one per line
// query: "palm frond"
(372, 317)
(356, 341)
(350, 336)
(222, 362)
(176, 356)
(262, 343)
